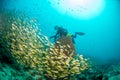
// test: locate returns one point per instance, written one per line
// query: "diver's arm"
(57, 33)
(54, 35)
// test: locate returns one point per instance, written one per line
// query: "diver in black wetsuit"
(63, 32)
(60, 32)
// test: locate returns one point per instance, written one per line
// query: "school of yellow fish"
(32, 49)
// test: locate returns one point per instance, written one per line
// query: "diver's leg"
(75, 35)
(55, 39)
(73, 40)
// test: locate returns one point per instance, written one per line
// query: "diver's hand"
(52, 37)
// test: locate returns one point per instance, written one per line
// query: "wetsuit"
(63, 32)
(60, 32)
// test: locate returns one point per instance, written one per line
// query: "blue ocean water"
(101, 41)
(100, 46)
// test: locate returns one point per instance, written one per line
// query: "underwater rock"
(117, 77)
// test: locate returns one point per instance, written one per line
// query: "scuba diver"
(63, 32)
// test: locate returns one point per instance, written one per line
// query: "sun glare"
(83, 9)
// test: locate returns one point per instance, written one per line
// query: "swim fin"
(79, 33)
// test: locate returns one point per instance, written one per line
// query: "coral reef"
(8, 73)
(31, 49)
(66, 40)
